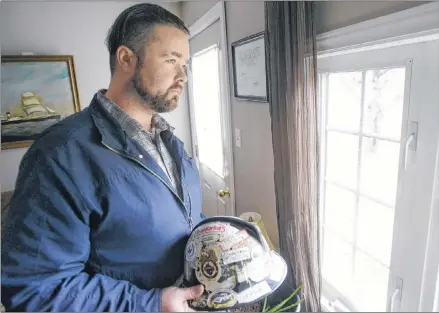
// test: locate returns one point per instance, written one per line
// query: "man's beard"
(158, 103)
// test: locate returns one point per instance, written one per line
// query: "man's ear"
(126, 59)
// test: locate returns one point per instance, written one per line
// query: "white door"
(210, 117)
(379, 130)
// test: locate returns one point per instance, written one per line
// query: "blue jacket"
(94, 224)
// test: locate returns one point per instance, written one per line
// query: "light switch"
(238, 137)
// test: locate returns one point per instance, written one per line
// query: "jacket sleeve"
(45, 248)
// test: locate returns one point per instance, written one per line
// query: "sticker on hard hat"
(257, 252)
(210, 269)
(191, 251)
(234, 256)
(241, 275)
(258, 269)
(211, 238)
(259, 290)
(228, 283)
(220, 228)
(277, 272)
(188, 272)
(222, 299)
(230, 241)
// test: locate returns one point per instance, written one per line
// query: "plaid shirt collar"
(129, 124)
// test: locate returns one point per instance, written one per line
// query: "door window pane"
(344, 100)
(342, 159)
(379, 218)
(384, 100)
(379, 169)
(340, 211)
(207, 103)
(337, 262)
(370, 284)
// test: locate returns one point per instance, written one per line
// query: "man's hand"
(176, 299)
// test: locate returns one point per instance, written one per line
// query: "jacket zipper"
(187, 215)
(191, 225)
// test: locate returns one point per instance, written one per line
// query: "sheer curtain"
(292, 78)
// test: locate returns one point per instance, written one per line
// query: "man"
(105, 200)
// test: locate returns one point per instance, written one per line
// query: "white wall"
(77, 28)
(331, 15)
(191, 11)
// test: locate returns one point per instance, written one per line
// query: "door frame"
(217, 12)
(415, 25)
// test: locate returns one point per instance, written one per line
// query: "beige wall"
(254, 177)
(254, 180)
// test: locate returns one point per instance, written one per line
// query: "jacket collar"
(114, 136)
(111, 132)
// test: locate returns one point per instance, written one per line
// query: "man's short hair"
(133, 27)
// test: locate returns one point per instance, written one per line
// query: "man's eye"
(172, 61)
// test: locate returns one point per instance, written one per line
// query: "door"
(379, 134)
(211, 126)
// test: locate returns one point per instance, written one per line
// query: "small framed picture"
(249, 68)
(36, 93)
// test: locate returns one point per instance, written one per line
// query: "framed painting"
(36, 93)
(249, 68)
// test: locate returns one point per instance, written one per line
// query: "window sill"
(333, 305)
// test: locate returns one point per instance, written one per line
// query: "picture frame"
(250, 68)
(36, 93)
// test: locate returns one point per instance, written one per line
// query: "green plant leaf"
(265, 305)
(291, 306)
(280, 305)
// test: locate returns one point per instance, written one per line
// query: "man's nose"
(182, 75)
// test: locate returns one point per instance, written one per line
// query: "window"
(379, 128)
(363, 113)
(207, 109)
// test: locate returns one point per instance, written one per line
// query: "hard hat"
(231, 258)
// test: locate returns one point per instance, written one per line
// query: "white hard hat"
(231, 258)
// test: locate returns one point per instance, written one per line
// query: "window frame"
(331, 295)
(415, 25)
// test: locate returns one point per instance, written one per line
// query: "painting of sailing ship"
(36, 93)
